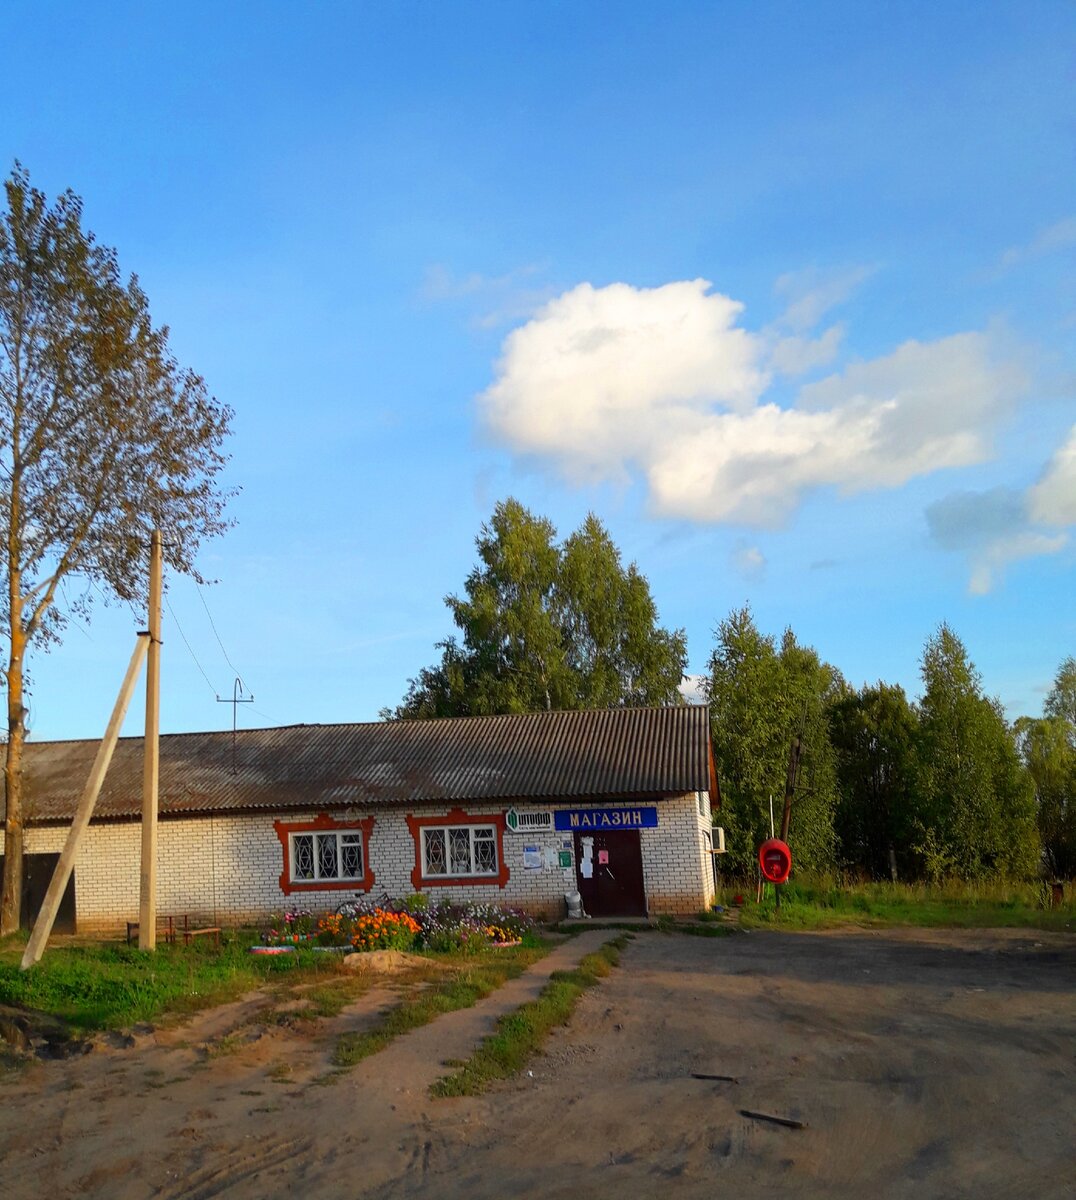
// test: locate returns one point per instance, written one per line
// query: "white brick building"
(515, 809)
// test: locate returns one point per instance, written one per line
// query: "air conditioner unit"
(718, 835)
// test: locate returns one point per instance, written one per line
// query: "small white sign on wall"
(532, 858)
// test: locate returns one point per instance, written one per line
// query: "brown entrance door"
(615, 887)
(37, 872)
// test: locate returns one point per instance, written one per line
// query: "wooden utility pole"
(51, 905)
(147, 906)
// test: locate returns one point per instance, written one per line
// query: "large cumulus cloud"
(665, 383)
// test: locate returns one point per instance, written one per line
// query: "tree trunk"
(11, 900)
(10, 903)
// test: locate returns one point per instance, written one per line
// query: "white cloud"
(1001, 526)
(799, 355)
(598, 373)
(604, 382)
(1047, 241)
(749, 560)
(693, 688)
(496, 299)
(810, 294)
(989, 565)
(1052, 500)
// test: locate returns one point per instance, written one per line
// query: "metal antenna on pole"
(237, 699)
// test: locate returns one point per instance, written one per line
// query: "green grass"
(110, 986)
(469, 978)
(822, 904)
(520, 1034)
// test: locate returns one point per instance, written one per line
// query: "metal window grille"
(302, 856)
(350, 855)
(328, 860)
(434, 845)
(327, 857)
(459, 850)
(485, 852)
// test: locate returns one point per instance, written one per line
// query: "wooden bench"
(189, 934)
(168, 928)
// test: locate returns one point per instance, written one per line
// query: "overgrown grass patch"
(112, 986)
(708, 930)
(520, 1034)
(468, 978)
(822, 903)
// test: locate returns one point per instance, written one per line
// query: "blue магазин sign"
(644, 817)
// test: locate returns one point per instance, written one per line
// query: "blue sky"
(784, 293)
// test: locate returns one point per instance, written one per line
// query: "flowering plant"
(383, 930)
(291, 927)
(364, 924)
(448, 925)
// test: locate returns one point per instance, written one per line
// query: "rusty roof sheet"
(554, 756)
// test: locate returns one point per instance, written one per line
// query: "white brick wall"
(226, 869)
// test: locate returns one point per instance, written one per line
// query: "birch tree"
(761, 697)
(103, 437)
(546, 626)
(975, 800)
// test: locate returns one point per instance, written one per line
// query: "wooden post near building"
(51, 904)
(147, 901)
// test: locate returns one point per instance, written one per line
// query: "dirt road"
(923, 1063)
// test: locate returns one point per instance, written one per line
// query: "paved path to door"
(419, 1056)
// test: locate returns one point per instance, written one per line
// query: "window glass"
(434, 840)
(302, 848)
(485, 852)
(331, 856)
(327, 857)
(460, 850)
(351, 855)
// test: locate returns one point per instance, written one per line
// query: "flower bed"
(412, 923)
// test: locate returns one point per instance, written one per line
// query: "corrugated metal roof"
(534, 756)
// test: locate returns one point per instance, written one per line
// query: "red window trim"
(457, 817)
(322, 822)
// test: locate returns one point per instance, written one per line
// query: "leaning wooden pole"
(51, 905)
(147, 903)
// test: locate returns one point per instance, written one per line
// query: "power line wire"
(190, 650)
(213, 626)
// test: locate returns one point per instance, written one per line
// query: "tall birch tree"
(103, 437)
(545, 625)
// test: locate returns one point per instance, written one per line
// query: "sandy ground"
(923, 1064)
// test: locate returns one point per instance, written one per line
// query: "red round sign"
(775, 860)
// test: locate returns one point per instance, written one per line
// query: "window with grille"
(325, 853)
(326, 857)
(458, 849)
(455, 850)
